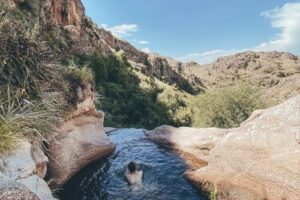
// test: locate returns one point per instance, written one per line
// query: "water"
(104, 180)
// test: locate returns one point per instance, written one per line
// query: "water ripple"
(163, 173)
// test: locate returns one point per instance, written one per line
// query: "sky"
(201, 30)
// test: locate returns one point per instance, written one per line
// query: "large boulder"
(24, 161)
(38, 186)
(12, 190)
(80, 141)
(22, 172)
(259, 160)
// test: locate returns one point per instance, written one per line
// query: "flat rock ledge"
(258, 160)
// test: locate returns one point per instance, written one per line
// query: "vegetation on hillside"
(35, 88)
(39, 77)
(225, 107)
(125, 103)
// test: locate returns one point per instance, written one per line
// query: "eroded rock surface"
(259, 160)
(22, 172)
(80, 141)
(12, 190)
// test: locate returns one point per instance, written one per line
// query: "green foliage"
(20, 117)
(177, 103)
(125, 103)
(225, 107)
(33, 89)
(79, 76)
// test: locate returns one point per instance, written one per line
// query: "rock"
(259, 160)
(22, 172)
(38, 186)
(20, 163)
(81, 142)
(40, 159)
(118, 45)
(109, 129)
(12, 190)
(62, 12)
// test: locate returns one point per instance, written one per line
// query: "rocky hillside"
(276, 73)
(271, 71)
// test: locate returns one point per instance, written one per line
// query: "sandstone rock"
(21, 173)
(81, 142)
(259, 160)
(62, 12)
(19, 164)
(40, 159)
(38, 186)
(12, 190)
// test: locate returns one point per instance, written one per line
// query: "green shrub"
(80, 75)
(226, 107)
(20, 117)
(178, 104)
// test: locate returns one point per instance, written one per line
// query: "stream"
(104, 180)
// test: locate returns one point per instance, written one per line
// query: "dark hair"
(132, 166)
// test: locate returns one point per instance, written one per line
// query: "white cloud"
(121, 30)
(146, 50)
(140, 41)
(143, 42)
(207, 57)
(285, 18)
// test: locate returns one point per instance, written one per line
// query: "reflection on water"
(163, 173)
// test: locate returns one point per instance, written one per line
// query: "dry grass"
(33, 89)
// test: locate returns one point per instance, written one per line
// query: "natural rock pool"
(163, 173)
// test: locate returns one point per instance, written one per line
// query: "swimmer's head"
(132, 167)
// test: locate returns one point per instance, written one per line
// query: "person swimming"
(133, 175)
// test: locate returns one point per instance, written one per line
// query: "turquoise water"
(163, 173)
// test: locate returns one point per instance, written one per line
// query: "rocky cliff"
(258, 160)
(86, 38)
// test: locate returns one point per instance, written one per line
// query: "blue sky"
(201, 30)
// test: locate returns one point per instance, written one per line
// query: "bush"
(20, 117)
(79, 76)
(226, 107)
